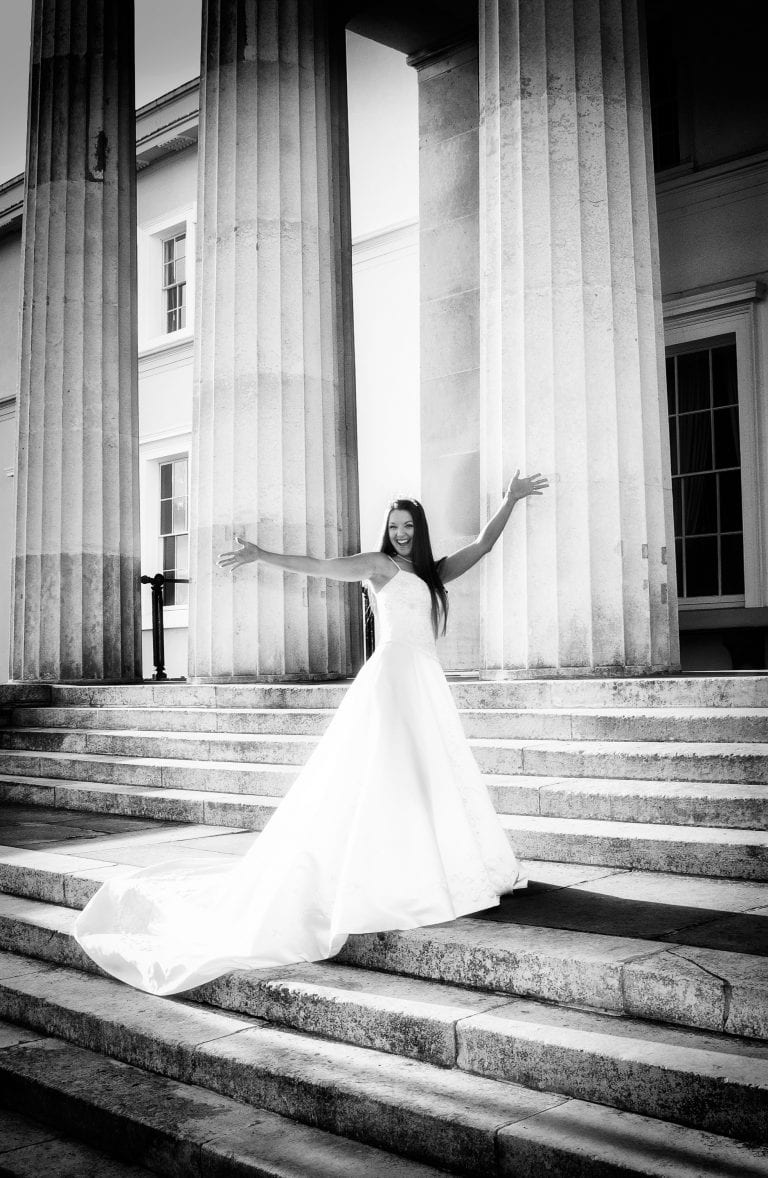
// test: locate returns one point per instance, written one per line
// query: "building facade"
(579, 312)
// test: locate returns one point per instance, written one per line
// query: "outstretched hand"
(519, 488)
(243, 553)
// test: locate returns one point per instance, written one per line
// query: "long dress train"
(388, 826)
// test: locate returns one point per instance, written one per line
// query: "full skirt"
(388, 826)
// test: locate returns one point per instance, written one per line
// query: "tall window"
(702, 394)
(175, 282)
(174, 527)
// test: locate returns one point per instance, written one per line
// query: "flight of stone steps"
(613, 1019)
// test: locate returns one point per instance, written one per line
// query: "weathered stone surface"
(705, 1081)
(689, 850)
(532, 961)
(408, 1018)
(37, 874)
(666, 802)
(77, 563)
(185, 1131)
(439, 1116)
(24, 694)
(17, 1132)
(681, 761)
(45, 1155)
(570, 384)
(284, 391)
(578, 1140)
(40, 931)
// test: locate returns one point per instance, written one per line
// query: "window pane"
(695, 442)
(182, 556)
(671, 384)
(181, 270)
(680, 574)
(182, 317)
(182, 594)
(677, 505)
(732, 558)
(172, 298)
(169, 271)
(724, 385)
(166, 480)
(180, 476)
(169, 556)
(167, 251)
(701, 567)
(166, 517)
(701, 504)
(673, 443)
(730, 501)
(180, 514)
(693, 381)
(727, 437)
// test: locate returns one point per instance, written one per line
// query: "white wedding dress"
(388, 826)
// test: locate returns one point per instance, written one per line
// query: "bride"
(388, 826)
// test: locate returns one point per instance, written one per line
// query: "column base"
(489, 675)
(257, 680)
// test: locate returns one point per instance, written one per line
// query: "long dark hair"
(424, 565)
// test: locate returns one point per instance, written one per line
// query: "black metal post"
(158, 629)
(369, 627)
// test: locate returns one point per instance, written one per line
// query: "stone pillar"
(571, 343)
(274, 449)
(76, 577)
(450, 326)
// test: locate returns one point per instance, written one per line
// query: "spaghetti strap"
(394, 562)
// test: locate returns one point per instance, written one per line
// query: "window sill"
(166, 343)
(730, 617)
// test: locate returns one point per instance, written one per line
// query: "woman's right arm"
(340, 568)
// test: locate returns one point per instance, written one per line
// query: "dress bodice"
(403, 612)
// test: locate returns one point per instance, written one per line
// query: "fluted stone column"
(571, 343)
(450, 326)
(76, 588)
(274, 420)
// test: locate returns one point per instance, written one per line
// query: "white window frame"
(166, 460)
(698, 318)
(154, 452)
(152, 318)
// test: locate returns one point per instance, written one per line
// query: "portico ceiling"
(412, 26)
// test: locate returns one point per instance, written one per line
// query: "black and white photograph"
(383, 588)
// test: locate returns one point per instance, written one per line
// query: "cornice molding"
(713, 298)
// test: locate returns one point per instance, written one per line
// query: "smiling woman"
(388, 826)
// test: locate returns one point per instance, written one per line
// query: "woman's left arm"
(461, 561)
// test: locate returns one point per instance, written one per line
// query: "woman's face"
(400, 529)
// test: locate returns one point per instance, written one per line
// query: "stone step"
(636, 977)
(670, 803)
(647, 760)
(706, 691)
(712, 725)
(445, 1116)
(176, 1128)
(687, 850)
(727, 852)
(703, 1080)
(166, 772)
(745, 763)
(33, 1149)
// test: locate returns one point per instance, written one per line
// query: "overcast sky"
(167, 54)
